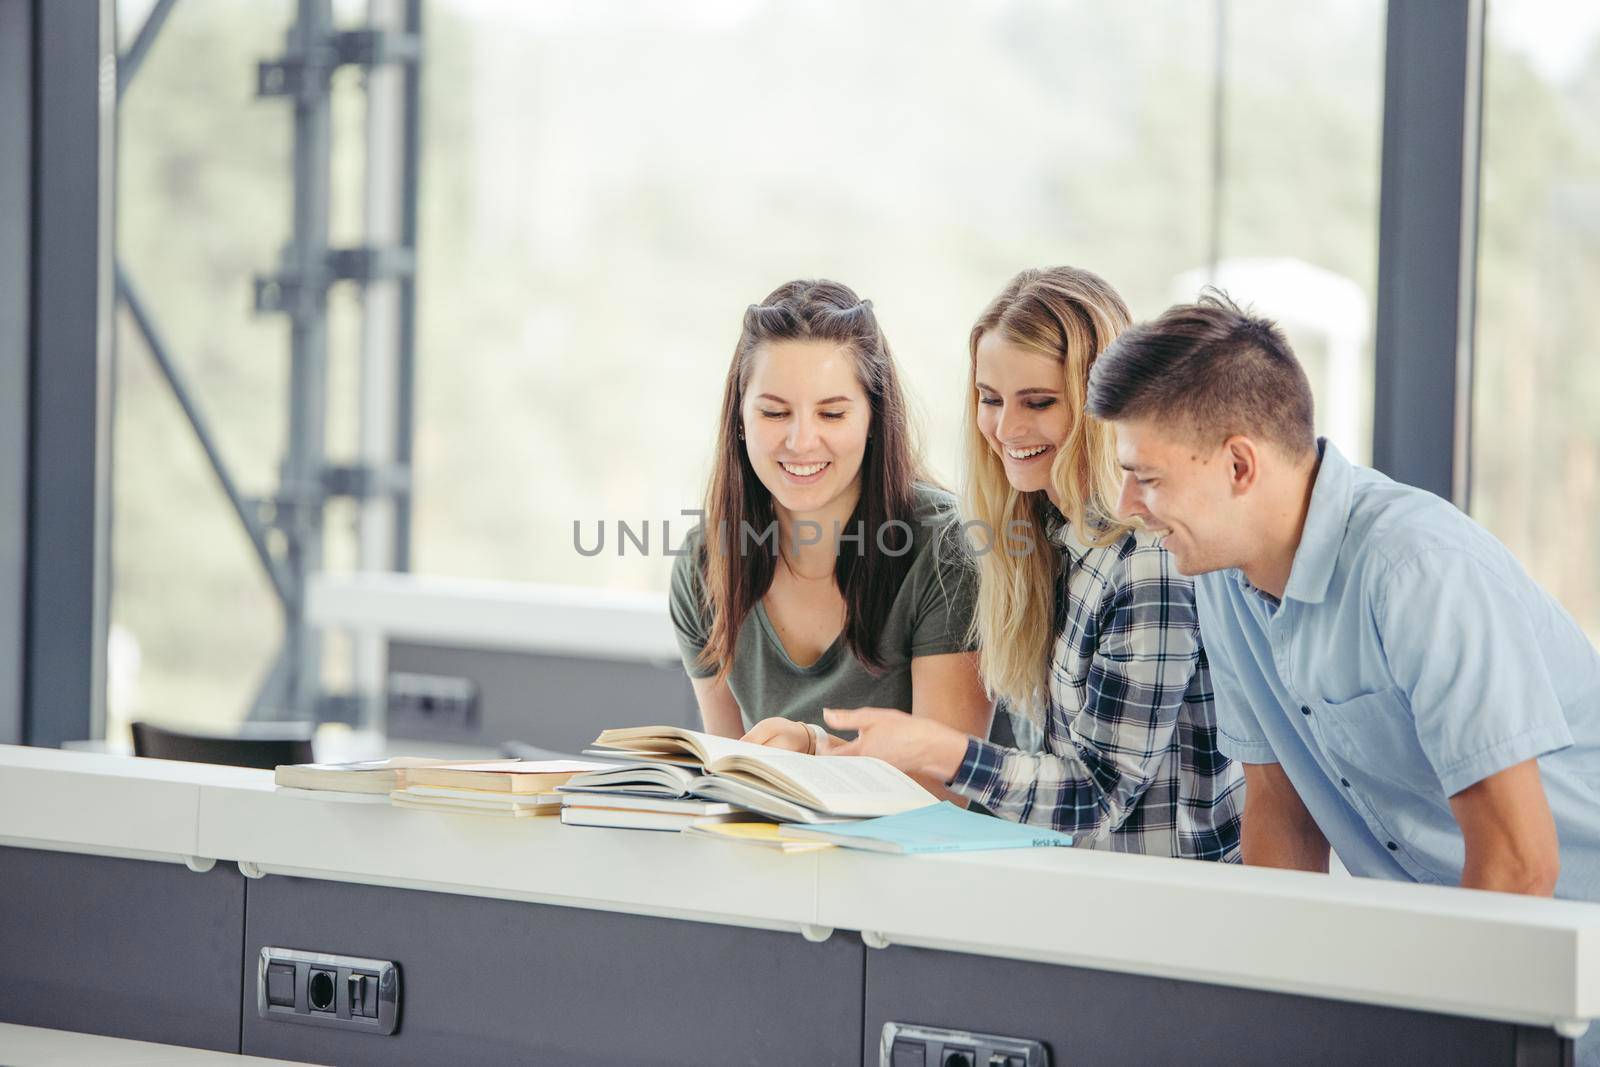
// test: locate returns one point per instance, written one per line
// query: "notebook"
(940, 827)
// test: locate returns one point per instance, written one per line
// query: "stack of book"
(670, 762)
(367, 780)
(638, 812)
(516, 789)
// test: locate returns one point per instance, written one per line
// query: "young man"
(1394, 682)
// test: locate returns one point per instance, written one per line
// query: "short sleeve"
(1462, 647)
(683, 603)
(1239, 732)
(946, 596)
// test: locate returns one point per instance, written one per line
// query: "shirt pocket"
(1373, 737)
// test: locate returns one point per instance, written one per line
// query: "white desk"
(1487, 956)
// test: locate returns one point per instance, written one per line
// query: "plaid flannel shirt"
(1129, 760)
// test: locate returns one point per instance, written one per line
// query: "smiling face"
(806, 420)
(1188, 492)
(1020, 410)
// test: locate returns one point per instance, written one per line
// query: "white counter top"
(610, 624)
(1486, 955)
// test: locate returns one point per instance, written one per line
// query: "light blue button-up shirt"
(1410, 657)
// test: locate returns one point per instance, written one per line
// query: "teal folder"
(941, 827)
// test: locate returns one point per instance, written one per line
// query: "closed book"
(526, 811)
(941, 827)
(501, 805)
(476, 796)
(631, 820)
(634, 802)
(367, 776)
(522, 776)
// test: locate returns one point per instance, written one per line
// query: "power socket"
(321, 989)
(912, 1045)
(433, 705)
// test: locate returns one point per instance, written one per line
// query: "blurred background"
(604, 185)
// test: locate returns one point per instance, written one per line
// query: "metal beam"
(129, 62)
(377, 523)
(69, 463)
(16, 287)
(254, 529)
(306, 257)
(1427, 244)
(406, 366)
(1219, 138)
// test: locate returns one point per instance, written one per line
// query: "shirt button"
(1345, 782)
(1393, 847)
(1304, 710)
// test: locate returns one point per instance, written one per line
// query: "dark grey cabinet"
(154, 951)
(494, 981)
(1099, 1017)
(123, 947)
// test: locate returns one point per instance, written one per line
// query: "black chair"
(263, 745)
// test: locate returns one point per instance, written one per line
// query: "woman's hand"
(780, 733)
(915, 745)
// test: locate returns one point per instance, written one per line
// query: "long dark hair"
(738, 572)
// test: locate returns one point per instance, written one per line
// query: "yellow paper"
(762, 833)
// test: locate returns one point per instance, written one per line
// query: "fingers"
(779, 733)
(857, 718)
(760, 733)
(846, 748)
(841, 719)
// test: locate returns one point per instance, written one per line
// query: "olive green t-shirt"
(930, 616)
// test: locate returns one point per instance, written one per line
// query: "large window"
(202, 205)
(606, 186)
(1536, 379)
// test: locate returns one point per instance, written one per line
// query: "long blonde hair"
(1070, 315)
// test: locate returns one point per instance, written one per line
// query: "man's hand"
(915, 745)
(1510, 833)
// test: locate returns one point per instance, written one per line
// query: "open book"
(774, 782)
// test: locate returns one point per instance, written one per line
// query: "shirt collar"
(1326, 519)
(1062, 533)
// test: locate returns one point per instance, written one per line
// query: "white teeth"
(804, 471)
(1024, 453)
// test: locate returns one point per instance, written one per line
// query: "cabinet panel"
(126, 948)
(494, 981)
(1088, 1016)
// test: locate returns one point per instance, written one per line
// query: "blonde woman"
(1086, 630)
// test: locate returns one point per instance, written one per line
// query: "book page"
(643, 740)
(840, 785)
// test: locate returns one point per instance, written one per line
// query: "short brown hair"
(1213, 367)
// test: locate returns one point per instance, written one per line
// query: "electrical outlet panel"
(320, 989)
(433, 703)
(911, 1045)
